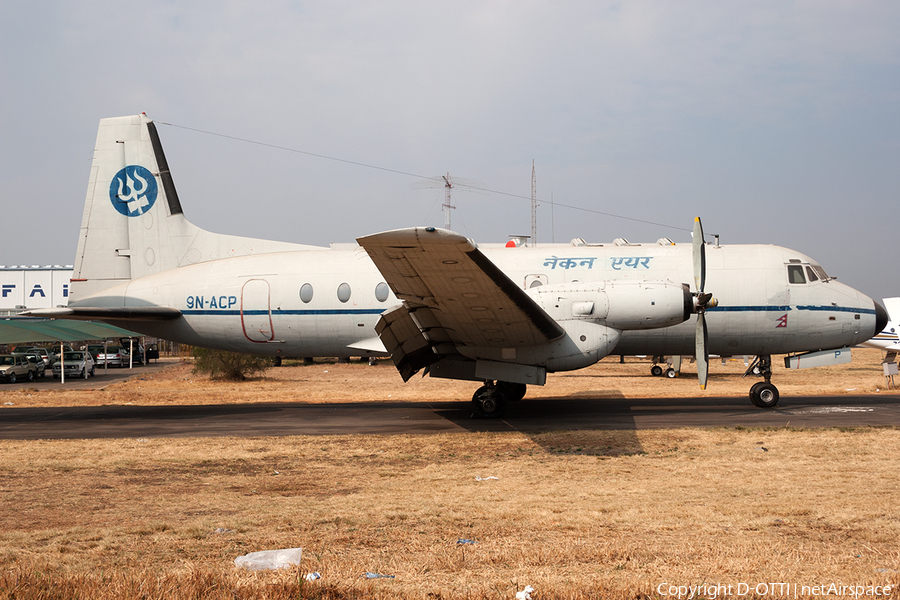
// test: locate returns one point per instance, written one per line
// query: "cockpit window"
(795, 274)
(811, 274)
(820, 272)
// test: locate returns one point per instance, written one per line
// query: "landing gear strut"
(763, 394)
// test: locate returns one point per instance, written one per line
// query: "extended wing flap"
(464, 298)
(409, 348)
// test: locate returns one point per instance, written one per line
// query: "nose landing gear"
(763, 393)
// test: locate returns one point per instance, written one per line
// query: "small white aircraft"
(889, 338)
(432, 298)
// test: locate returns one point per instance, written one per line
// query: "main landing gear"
(656, 370)
(490, 400)
(763, 394)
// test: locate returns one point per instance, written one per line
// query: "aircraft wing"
(141, 313)
(453, 295)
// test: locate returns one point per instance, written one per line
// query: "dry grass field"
(589, 514)
(334, 382)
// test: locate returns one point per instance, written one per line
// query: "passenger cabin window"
(306, 292)
(343, 292)
(795, 274)
(381, 292)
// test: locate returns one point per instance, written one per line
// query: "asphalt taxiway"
(527, 416)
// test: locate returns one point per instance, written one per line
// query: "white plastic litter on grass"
(269, 559)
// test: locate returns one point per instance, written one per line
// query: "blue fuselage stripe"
(378, 311)
(847, 309)
(320, 312)
(749, 309)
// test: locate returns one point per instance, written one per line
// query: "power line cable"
(408, 174)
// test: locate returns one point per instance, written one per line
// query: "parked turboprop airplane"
(889, 338)
(433, 299)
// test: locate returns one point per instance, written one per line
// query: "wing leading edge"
(453, 297)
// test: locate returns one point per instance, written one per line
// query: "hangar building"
(26, 287)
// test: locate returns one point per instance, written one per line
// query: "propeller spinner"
(702, 301)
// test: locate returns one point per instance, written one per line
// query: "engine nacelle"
(593, 315)
(623, 305)
(584, 344)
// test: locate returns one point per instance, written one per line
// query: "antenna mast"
(448, 185)
(534, 204)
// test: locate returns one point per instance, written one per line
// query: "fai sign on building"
(24, 287)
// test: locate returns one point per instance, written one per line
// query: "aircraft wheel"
(656, 370)
(764, 395)
(276, 362)
(490, 402)
(671, 374)
(514, 391)
(753, 389)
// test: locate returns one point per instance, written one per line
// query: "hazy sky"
(775, 121)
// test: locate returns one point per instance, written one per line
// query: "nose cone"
(881, 318)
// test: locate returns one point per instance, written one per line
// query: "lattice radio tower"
(448, 205)
(448, 183)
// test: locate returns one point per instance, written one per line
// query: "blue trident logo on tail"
(133, 190)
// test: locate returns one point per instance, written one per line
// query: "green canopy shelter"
(25, 330)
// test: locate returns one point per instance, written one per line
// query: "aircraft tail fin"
(133, 223)
(892, 305)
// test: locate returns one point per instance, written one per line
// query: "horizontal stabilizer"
(87, 313)
(372, 344)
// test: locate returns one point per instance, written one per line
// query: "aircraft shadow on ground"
(595, 424)
(560, 426)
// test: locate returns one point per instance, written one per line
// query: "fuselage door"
(256, 313)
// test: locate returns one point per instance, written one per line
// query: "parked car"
(40, 370)
(115, 356)
(137, 350)
(152, 353)
(47, 356)
(14, 367)
(78, 363)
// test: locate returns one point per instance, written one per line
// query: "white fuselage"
(327, 302)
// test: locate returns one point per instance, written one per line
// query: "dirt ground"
(329, 381)
(576, 515)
